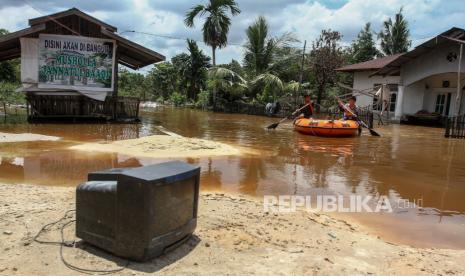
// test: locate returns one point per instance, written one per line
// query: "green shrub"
(160, 100)
(178, 99)
(203, 99)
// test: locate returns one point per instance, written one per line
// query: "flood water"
(408, 164)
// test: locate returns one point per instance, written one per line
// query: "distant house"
(425, 78)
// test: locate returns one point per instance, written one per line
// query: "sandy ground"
(162, 146)
(25, 137)
(234, 236)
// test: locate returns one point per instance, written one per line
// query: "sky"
(304, 18)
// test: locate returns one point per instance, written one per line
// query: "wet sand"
(25, 137)
(162, 146)
(234, 234)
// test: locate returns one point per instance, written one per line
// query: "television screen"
(173, 206)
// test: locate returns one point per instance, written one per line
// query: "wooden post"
(301, 76)
(115, 83)
(459, 86)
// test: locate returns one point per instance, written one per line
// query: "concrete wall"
(431, 63)
(413, 98)
(422, 94)
(362, 81)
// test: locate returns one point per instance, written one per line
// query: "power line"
(185, 38)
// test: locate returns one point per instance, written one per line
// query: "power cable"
(64, 243)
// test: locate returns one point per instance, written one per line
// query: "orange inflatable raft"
(327, 128)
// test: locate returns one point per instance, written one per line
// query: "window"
(392, 104)
(440, 103)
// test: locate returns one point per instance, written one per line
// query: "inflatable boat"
(327, 128)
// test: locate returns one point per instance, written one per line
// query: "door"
(442, 105)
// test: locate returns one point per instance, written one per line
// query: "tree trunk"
(319, 96)
(214, 64)
(214, 55)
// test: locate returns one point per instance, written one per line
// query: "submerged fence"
(259, 109)
(75, 107)
(455, 127)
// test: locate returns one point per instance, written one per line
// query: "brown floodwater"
(408, 164)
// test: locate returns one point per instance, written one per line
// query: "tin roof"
(76, 22)
(374, 64)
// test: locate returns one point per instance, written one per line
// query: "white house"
(425, 78)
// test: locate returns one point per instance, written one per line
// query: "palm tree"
(262, 52)
(270, 85)
(226, 77)
(259, 47)
(395, 35)
(196, 69)
(216, 26)
(226, 80)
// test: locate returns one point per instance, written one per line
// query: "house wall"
(422, 94)
(431, 63)
(413, 98)
(362, 81)
(422, 78)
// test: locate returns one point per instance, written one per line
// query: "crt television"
(138, 213)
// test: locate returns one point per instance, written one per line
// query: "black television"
(138, 213)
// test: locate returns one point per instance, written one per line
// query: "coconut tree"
(217, 22)
(263, 50)
(259, 47)
(395, 35)
(270, 85)
(227, 82)
(196, 73)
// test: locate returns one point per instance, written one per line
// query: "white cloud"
(15, 18)
(304, 17)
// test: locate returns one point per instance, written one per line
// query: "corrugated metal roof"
(390, 65)
(129, 53)
(394, 66)
(374, 64)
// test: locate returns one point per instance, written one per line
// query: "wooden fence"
(43, 107)
(455, 127)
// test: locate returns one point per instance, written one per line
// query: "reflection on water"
(406, 163)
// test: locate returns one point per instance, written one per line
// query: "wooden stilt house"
(69, 67)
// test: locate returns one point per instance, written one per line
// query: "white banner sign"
(76, 63)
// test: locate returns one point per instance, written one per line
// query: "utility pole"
(459, 86)
(301, 71)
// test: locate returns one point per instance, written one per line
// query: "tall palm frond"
(293, 86)
(259, 47)
(221, 73)
(270, 81)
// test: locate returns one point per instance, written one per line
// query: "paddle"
(275, 125)
(372, 131)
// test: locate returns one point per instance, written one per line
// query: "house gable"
(77, 23)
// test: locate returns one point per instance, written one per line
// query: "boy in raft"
(350, 106)
(306, 112)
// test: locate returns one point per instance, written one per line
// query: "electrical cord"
(64, 243)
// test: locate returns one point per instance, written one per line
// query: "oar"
(372, 131)
(275, 125)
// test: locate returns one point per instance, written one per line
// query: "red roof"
(374, 64)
